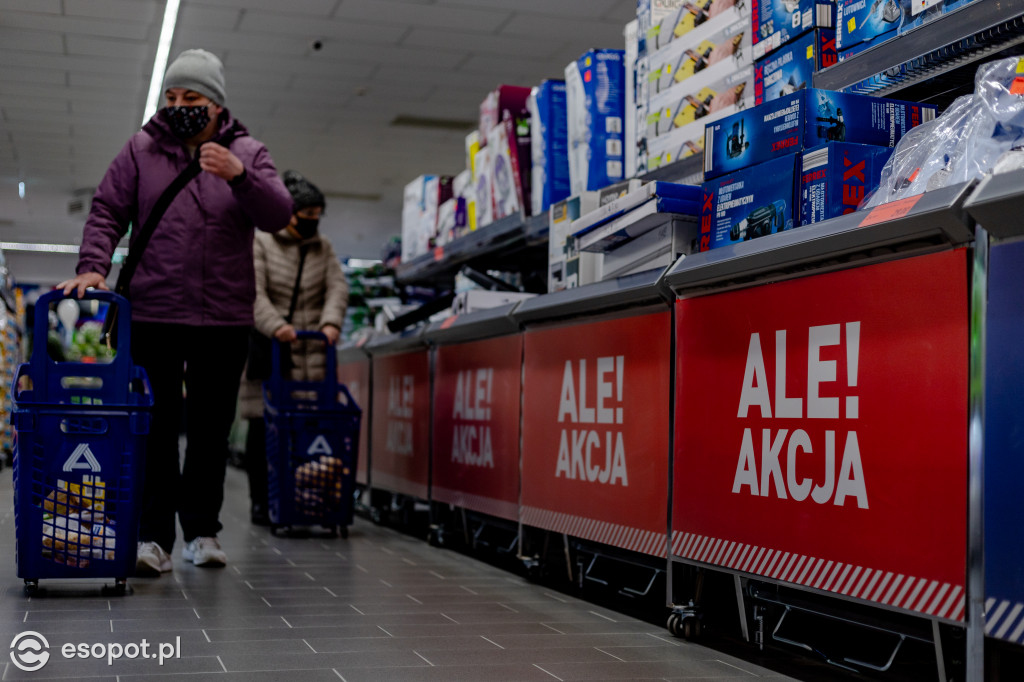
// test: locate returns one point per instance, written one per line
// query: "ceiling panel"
(196, 16)
(559, 8)
(34, 76)
(138, 52)
(315, 7)
(436, 16)
(65, 24)
(16, 59)
(310, 28)
(32, 41)
(41, 6)
(485, 43)
(138, 11)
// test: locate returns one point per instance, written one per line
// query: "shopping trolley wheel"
(31, 587)
(343, 531)
(119, 588)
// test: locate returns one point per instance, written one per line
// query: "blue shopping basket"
(78, 457)
(312, 447)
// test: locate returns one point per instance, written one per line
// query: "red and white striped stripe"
(478, 503)
(616, 535)
(928, 597)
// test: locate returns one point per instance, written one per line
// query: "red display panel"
(476, 425)
(822, 432)
(356, 377)
(400, 455)
(596, 431)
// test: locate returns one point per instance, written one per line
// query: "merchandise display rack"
(974, 32)
(934, 220)
(478, 324)
(996, 198)
(629, 291)
(686, 171)
(512, 236)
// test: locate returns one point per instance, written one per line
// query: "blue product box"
(549, 145)
(777, 22)
(791, 67)
(806, 119)
(750, 203)
(835, 178)
(866, 21)
(596, 109)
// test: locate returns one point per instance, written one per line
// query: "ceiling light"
(163, 49)
(49, 248)
(362, 262)
(21, 190)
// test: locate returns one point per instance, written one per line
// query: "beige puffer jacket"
(323, 298)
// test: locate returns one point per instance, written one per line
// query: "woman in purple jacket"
(192, 294)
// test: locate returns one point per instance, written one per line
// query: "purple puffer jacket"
(198, 267)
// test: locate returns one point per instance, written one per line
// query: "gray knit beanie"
(200, 71)
(304, 193)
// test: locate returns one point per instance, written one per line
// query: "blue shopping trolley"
(312, 446)
(79, 454)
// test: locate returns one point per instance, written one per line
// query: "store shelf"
(396, 343)
(481, 324)
(934, 220)
(688, 171)
(998, 204)
(352, 352)
(505, 237)
(635, 290)
(971, 33)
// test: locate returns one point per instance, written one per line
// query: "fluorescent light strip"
(49, 248)
(361, 263)
(163, 49)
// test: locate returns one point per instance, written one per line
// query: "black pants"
(256, 461)
(208, 361)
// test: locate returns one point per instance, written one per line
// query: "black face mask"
(306, 227)
(187, 122)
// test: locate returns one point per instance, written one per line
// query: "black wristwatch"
(238, 179)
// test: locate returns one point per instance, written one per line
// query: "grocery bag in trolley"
(80, 428)
(312, 446)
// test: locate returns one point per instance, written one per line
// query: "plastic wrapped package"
(973, 136)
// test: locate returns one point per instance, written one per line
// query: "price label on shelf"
(891, 211)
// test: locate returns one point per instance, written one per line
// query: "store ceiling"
(74, 75)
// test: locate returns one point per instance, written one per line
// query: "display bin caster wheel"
(684, 625)
(276, 528)
(31, 587)
(118, 589)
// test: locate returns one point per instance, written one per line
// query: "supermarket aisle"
(378, 606)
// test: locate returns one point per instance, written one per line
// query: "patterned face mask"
(187, 122)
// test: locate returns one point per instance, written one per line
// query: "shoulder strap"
(131, 262)
(303, 249)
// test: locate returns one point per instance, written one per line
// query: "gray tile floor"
(377, 606)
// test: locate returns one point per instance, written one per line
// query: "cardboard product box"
(791, 67)
(657, 248)
(918, 13)
(483, 187)
(649, 13)
(584, 266)
(446, 221)
(464, 189)
(693, 100)
(778, 22)
(750, 203)
(510, 98)
(806, 119)
(630, 57)
(549, 142)
(506, 195)
(866, 21)
(709, 56)
(473, 144)
(680, 143)
(420, 203)
(836, 177)
(595, 106)
(695, 21)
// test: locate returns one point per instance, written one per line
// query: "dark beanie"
(304, 193)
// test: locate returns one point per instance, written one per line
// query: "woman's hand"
(285, 334)
(83, 282)
(332, 333)
(218, 160)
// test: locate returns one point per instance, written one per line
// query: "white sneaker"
(151, 560)
(204, 552)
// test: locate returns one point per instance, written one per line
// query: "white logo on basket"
(74, 461)
(320, 447)
(29, 651)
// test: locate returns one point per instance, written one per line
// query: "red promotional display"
(595, 431)
(356, 376)
(400, 459)
(476, 426)
(821, 432)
